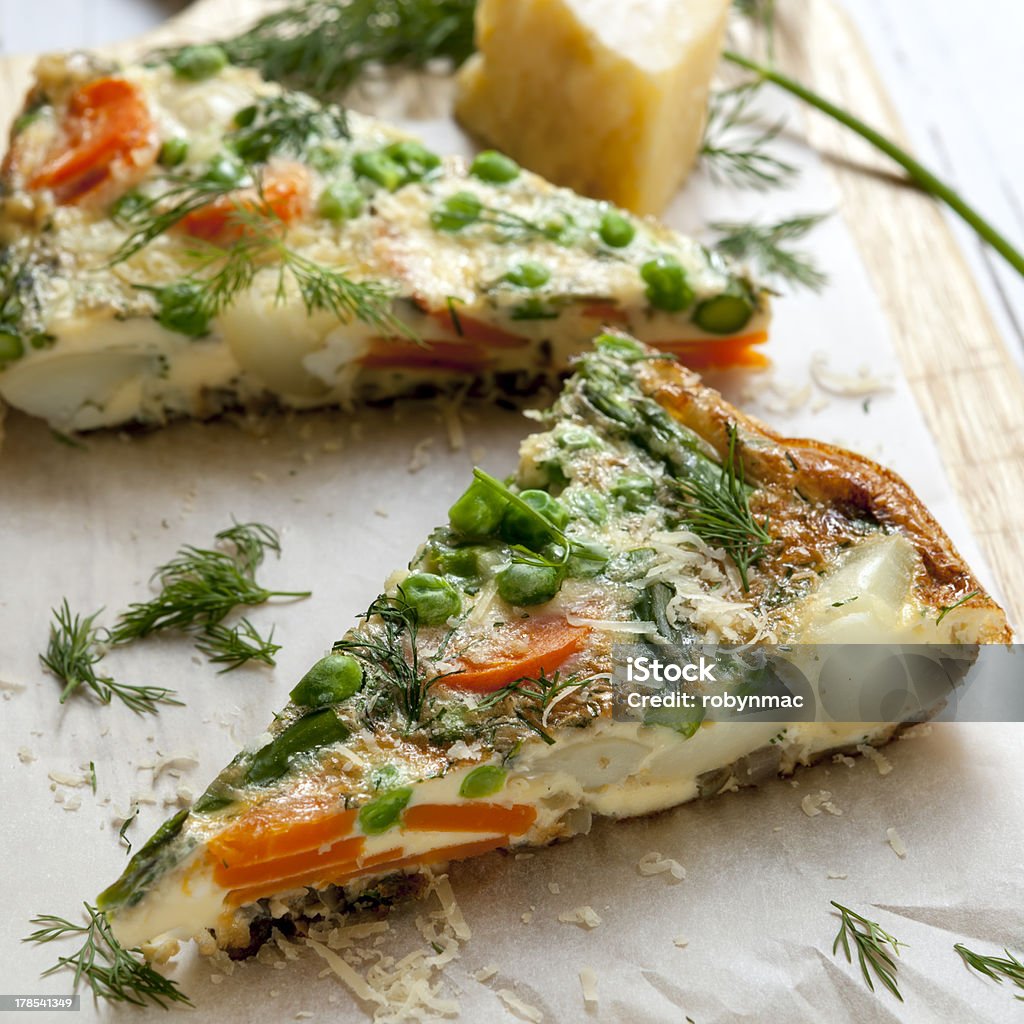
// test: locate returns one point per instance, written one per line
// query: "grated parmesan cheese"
(680, 943)
(588, 982)
(861, 385)
(876, 757)
(586, 916)
(654, 864)
(518, 1007)
(485, 973)
(896, 842)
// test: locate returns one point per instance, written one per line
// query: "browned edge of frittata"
(827, 478)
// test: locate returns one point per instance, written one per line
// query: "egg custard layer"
(182, 237)
(471, 707)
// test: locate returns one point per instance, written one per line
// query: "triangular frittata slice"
(180, 237)
(471, 709)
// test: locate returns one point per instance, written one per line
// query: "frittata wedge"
(181, 237)
(471, 709)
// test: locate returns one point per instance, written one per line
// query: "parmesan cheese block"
(605, 96)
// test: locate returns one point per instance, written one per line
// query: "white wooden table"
(954, 73)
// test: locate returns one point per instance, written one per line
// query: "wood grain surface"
(961, 372)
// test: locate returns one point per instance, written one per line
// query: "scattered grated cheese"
(588, 982)
(73, 803)
(518, 1007)
(876, 757)
(174, 762)
(917, 732)
(861, 385)
(654, 864)
(526, 917)
(524, 856)
(485, 973)
(814, 803)
(453, 422)
(9, 686)
(67, 779)
(303, 1015)
(586, 916)
(451, 909)
(421, 455)
(25, 756)
(554, 888)
(843, 759)
(680, 942)
(836, 876)
(896, 842)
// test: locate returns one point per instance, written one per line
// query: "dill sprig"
(946, 609)
(871, 942)
(200, 587)
(111, 971)
(718, 511)
(537, 693)
(74, 650)
(287, 123)
(150, 216)
(994, 967)
(233, 646)
(736, 142)
(390, 655)
(917, 173)
(322, 46)
(765, 246)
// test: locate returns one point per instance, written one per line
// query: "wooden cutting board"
(958, 366)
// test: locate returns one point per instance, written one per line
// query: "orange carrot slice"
(437, 355)
(552, 641)
(339, 857)
(108, 138)
(719, 355)
(274, 831)
(475, 817)
(285, 194)
(322, 876)
(606, 312)
(477, 330)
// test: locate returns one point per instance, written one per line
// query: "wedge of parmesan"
(605, 96)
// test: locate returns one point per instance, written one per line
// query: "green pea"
(635, 490)
(534, 530)
(415, 158)
(225, 169)
(726, 313)
(311, 732)
(471, 561)
(433, 598)
(528, 275)
(333, 678)
(198, 62)
(616, 229)
(126, 206)
(383, 811)
(324, 157)
(11, 347)
(533, 309)
(456, 212)
(181, 309)
(341, 200)
(379, 167)
(525, 584)
(486, 780)
(627, 349)
(587, 558)
(478, 513)
(575, 439)
(666, 284)
(495, 167)
(174, 151)
(588, 503)
(245, 117)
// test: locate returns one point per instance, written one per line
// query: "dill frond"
(871, 942)
(765, 247)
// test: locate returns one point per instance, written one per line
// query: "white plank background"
(956, 76)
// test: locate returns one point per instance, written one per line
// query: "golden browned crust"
(836, 489)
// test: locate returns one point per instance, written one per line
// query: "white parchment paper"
(745, 936)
